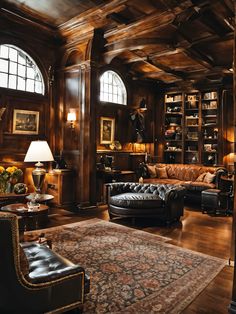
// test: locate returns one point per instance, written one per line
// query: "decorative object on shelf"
(20, 188)
(8, 178)
(107, 130)
(25, 122)
(71, 118)
(59, 162)
(38, 151)
(143, 105)
(115, 145)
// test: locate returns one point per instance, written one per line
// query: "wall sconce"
(71, 117)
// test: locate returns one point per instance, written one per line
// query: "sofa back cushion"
(152, 171)
(161, 173)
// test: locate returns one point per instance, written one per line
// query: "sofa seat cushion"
(46, 265)
(136, 200)
(198, 186)
(163, 181)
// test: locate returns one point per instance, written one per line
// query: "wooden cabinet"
(61, 184)
(192, 127)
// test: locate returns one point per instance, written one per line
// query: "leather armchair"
(34, 279)
(162, 201)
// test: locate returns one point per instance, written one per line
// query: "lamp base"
(38, 175)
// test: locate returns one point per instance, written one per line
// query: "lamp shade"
(38, 151)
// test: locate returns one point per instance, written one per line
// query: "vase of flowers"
(8, 178)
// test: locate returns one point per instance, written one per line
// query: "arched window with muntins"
(19, 71)
(112, 88)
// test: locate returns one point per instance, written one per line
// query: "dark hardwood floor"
(196, 231)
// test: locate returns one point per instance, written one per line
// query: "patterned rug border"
(189, 289)
(97, 220)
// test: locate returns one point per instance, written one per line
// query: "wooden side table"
(32, 219)
(9, 198)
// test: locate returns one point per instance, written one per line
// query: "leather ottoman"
(210, 201)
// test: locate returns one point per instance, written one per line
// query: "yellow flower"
(11, 169)
(2, 169)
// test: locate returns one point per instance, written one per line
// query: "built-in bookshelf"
(173, 146)
(191, 133)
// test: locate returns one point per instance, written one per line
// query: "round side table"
(32, 219)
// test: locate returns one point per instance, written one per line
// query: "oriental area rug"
(133, 271)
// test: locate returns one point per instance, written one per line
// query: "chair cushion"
(136, 200)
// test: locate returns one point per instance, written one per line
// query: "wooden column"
(232, 306)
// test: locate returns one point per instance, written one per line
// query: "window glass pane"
(12, 81)
(30, 85)
(4, 65)
(105, 97)
(21, 70)
(13, 68)
(21, 58)
(105, 87)
(12, 54)
(30, 73)
(38, 87)
(105, 77)
(21, 83)
(110, 88)
(110, 97)
(3, 79)
(4, 52)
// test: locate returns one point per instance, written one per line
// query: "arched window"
(112, 88)
(19, 71)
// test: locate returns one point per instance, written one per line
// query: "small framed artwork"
(107, 130)
(25, 122)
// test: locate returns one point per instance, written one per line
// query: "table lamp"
(38, 151)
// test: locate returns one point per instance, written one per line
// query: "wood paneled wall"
(40, 44)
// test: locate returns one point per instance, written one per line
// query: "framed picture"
(25, 122)
(107, 130)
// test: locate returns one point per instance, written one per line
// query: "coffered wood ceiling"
(188, 41)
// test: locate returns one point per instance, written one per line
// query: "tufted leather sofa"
(184, 175)
(162, 201)
(33, 278)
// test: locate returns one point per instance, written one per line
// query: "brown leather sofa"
(33, 278)
(164, 202)
(194, 178)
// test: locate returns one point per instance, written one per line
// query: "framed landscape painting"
(107, 130)
(25, 122)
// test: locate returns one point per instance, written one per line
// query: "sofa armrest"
(174, 194)
(220, 172)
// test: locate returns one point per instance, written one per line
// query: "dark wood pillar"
(232, 306)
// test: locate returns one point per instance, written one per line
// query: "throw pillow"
(161, 173)
(209, 177)
(201, 177)
(152, 171)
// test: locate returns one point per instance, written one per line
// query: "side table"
(32, 219)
